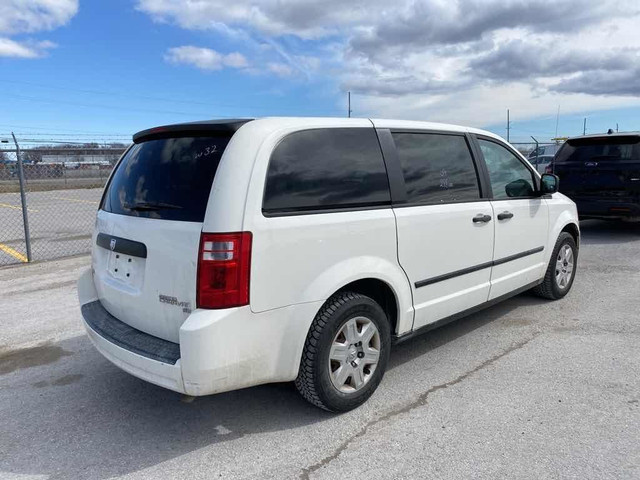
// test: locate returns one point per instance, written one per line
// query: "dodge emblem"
(112, 244)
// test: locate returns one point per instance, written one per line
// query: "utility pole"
(508, 125)
(584, 126)
(25, 219)
(616, 127)
(349, 104)
(557, 120)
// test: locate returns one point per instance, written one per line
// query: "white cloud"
(32, 16)
(29, 49)
(280, 69)
(463, 61)
(204, 58)
(28, 16)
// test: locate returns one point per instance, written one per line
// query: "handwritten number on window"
(210, 150)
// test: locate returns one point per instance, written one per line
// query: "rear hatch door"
(607, 166)
(148, 229)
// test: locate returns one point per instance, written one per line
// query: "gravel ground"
(526, 389)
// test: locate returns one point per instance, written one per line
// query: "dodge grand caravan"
(228, 254)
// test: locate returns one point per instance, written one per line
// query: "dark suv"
(601, 174)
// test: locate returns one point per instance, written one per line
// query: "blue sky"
(107, 69)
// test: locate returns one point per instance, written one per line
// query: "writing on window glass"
(445, 182)
(208, 150)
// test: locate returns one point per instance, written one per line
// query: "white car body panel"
(525, 231)
(425, 254)
(299, 261)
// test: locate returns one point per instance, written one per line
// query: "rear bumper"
(607, 207)
(219, 350)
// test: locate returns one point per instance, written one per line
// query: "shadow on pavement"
(603, 232)
(80, 416)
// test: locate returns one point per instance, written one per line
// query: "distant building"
(64, 157)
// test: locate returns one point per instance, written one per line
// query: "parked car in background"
(544, 150)
(228, 254)
(601, 173)
(542, 163)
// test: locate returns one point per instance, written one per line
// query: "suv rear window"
(324, 169)
(614, 149)
(168, 178)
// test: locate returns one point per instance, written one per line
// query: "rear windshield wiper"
(150, 206)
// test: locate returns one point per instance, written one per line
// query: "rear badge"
(590, 164)
(186, 306)
(112, 244)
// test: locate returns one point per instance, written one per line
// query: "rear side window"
(324, 169)
(437, 168)
(604, 149)
(167, 179)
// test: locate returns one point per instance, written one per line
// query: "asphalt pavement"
(526, 389)
(60, 223)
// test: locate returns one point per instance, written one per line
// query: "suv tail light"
(224, 263)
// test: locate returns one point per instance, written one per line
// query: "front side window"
(437, 168)
(326, 168)
(509, 176)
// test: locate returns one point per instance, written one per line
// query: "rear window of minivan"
(167, 178)
(612, 149)
(326, 168)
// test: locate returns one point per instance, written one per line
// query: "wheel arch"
(379, 291)
(566, 221)
(574, 231)
(375, 277)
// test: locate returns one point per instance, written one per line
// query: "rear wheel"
(561, 271)
(345, 354)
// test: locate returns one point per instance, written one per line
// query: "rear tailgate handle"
(121, 245)
(505, 215)
(481, 218)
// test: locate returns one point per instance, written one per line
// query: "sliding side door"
(445, 227)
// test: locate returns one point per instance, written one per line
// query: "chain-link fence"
(51, 215)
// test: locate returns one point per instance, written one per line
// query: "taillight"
(224, 264)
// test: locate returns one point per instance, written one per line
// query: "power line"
(11, 125)
(111, 107)
(157, 99)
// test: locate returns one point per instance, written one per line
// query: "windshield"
(604, 149)
(168, 179)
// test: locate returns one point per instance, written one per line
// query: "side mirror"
(549, 183)
(519, 188)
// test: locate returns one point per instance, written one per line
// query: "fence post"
(537, 146)
(23, 199)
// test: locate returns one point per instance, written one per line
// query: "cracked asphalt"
(525, 389)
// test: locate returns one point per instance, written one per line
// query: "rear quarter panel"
(306, 258)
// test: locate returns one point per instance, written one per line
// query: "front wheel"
(345, 354)
(561, 271)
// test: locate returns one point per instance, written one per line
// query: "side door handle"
(505, 215)
(481, 218)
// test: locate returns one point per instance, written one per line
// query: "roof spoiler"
(184, 129)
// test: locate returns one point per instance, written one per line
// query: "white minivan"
(234, 253)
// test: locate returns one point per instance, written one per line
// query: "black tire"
(549, 287)
(314, 382)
